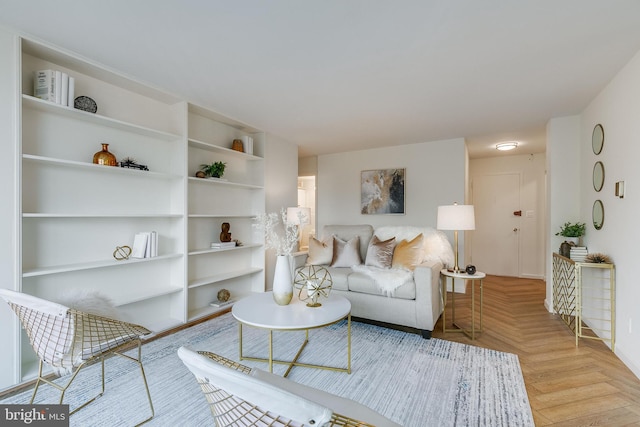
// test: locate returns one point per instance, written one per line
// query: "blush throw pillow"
(408, 254)
(346, 254)
(380, 252)
(320, 251)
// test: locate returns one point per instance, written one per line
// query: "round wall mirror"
(598, 214)
(597, 139)
(598, 176)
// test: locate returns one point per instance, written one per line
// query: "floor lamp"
(457, 218)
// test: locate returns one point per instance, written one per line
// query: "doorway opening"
(307, 199)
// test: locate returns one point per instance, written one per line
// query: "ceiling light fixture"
(505, 146)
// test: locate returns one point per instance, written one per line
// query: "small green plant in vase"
(572, 231)
(215, 169)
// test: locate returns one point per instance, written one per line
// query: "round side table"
(479, 277)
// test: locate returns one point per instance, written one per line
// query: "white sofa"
(398, 295)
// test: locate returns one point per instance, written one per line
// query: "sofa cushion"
(408, 254)
(436, 246)
(380, 252)
(346, 253)
(360, 282)
(320, 251)
(347, 232)
(340, 277)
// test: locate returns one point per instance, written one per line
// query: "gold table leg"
(471, 333)
(271, 361)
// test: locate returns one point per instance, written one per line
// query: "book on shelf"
(578, 253)
(145, 245)
(218, 303)
(44, 85)
(54, 86)
(221, 245)
(247, 141)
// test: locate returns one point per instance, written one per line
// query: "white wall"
(531, 168)
(281, 182)
(435, 175)
(563, 183)
(9, 248)
(617, 108)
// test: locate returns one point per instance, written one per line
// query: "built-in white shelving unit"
(235, 200)
(75, 213)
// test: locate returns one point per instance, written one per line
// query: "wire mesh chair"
(69, 340)
(242, 396)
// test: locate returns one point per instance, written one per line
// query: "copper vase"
(104, 157)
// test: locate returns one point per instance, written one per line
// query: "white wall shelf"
(207, 181)
(43, 271)
(74, 215)
(99, 168)
(223, 276)
(134, 297)
(29, 101)
(228, 151)
(212, 250)
(221, 216)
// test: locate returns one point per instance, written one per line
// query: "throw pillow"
(320, 251)
(346, 254)
(408, 254)
(380, 252)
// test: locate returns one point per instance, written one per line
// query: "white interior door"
(495, 241)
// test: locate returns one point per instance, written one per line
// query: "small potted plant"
(572, 231)
(215, 169)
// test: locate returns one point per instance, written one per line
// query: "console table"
(584, 298)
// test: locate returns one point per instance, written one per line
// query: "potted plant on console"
(572, 232)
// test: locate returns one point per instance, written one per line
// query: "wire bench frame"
(71, 340)
(230, 410)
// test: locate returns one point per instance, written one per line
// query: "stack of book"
(145, 245)
(223, 245)
(218, 303)
(247, 141)
(54, 86)
(578, 253)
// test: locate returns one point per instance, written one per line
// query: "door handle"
(518, 213)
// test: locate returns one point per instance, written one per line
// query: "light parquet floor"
(567, 385)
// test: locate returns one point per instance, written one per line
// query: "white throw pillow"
(346, 254)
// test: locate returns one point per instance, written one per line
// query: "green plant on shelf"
(568, 229)
(215, 169)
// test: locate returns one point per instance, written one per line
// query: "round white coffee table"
(261, 311)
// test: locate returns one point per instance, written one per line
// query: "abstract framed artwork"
(382, 191)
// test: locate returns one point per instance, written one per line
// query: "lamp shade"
(298, 216)
(456, 217)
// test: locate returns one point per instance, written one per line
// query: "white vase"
(282, 281)
(574, 240)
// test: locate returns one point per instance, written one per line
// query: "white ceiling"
(338, 75)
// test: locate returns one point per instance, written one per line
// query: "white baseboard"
(630, 362)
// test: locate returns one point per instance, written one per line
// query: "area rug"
(413, 381)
